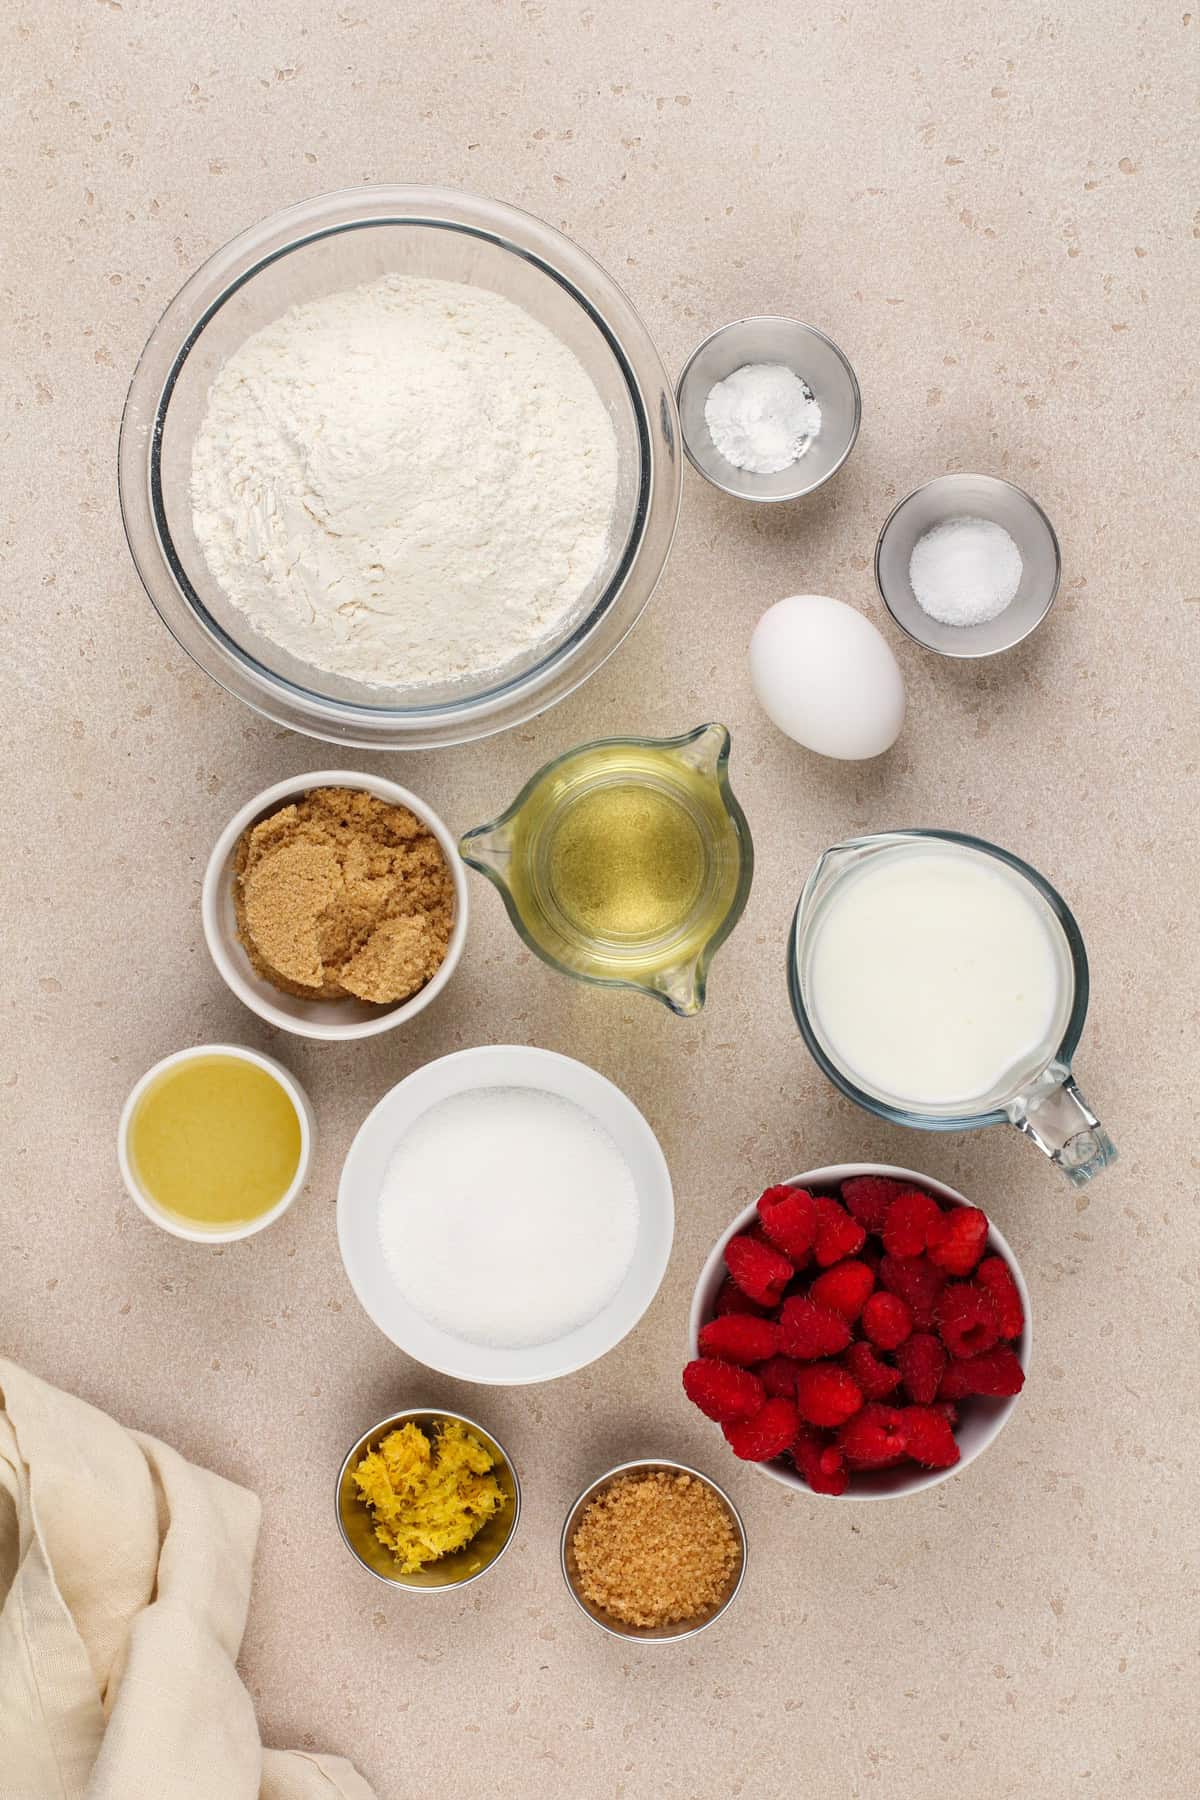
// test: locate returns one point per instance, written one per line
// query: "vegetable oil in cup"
(626, 862)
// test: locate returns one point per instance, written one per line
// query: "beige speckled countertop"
(989, 207)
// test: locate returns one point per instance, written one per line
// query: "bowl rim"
(658, 489)
(392, 1422)
(833, 1175)
(800, 493)
(966, 654)
(194, 1234)
(631, 1634)
(217, 871)
(554, 1368)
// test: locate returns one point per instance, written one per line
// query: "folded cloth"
(124, 1584)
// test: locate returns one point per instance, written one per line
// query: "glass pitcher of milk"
(941, 982)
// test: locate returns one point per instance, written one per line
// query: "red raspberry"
(948, 1410)
(761, 1272)
(767, 1435)
(965, 1319)
(843, 1289)
(730, 1299)
(867, 1198)
(887, 1320)
(996, 1372)
(819, 1462)
(917, 1281)
(738, 1338)
(826, 1394)
(721, 1391)
(921, 1361)
(773, 1195)
(808, 1331)
(962, 1242)
(874, 1438)
(996, 1279)
(914, 1221)
(789, 1218)
(838, 1235)
(876, 1379)
(928, 1437)
(778, 1376)
(956, 1382)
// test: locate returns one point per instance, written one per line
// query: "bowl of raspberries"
(861, 1331)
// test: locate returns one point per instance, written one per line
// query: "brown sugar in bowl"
(332, 1020)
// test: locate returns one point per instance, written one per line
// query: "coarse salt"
(508, 1216)
(965, 571)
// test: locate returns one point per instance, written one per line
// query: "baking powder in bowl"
(409, 483)
(508, 1216)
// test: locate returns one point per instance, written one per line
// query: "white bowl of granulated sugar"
(505, 1215)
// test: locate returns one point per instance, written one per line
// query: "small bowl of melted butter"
(215, 1142)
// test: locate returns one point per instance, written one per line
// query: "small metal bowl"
(454, 1571)
(978, 497)
(649, 1634)
(809, 354)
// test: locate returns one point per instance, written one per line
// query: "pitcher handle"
(1060, 1122)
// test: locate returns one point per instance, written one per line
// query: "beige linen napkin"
(124, 1583)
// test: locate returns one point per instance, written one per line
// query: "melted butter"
(215, 1141)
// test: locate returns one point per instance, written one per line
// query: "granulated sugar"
(508, 1216)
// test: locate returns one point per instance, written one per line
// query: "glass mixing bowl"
(322, 246)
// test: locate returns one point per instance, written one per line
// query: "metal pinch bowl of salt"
(821, 366)
(988, 497)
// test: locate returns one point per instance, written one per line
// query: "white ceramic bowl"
(331, 1020)
(982, 1419)
(502, 1065)
(197, 1234)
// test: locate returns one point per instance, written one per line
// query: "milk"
(938, 977)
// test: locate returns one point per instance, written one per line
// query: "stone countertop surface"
(990, 209)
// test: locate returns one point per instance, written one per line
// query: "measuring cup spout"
(488, 848)
(706, 749)
(682, 988)
(1055, 1116)
(831, 864)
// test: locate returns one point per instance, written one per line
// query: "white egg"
(827, 677)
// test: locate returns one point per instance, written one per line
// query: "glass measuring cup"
(625, 863)
(1038, 1093)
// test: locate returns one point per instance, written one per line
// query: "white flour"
(408, 483)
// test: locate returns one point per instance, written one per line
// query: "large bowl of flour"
(399, 467)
